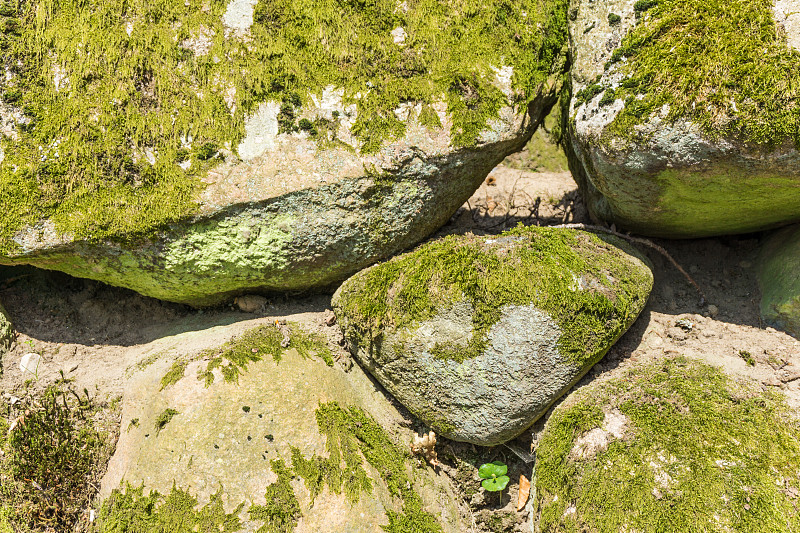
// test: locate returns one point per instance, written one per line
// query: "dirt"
(93, 333)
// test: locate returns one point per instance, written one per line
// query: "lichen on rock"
(479, 335)
(683, 118)
(671, 445)
(167, 128)
(779, 280)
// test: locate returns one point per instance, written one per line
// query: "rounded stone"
(478, 336)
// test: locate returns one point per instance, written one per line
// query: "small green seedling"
(494, 477)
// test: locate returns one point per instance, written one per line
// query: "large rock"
(478, 336)
(779, 279)
(672, 445)
(214, 438)
(683, 117)
(194, 151)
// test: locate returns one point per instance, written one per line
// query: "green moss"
(164, 418)
(175, 374)
(746, 85)
(100, 99)
(129, 511)
(349, 431)
(282, 511)
(747, 357)
(233, 357)
(50, 461)
(538, 265)
(700, 453)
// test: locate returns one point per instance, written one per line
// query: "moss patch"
(745, 86)
(50, 461)
(117, 95)
(700, 453)
(233, 357)
(282, 510)
(164, 418)
(522, 266)
(129, 511)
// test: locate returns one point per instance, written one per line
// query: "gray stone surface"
(674, 180)
(494, 396)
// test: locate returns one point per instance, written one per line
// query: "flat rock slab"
(230, 443)
(478, 336)
(665, 136)
(261, 146)
(779, 279)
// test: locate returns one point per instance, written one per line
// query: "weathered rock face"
(285, 443)
(667, 135)
(662, 441)
(478, 336)
(261, 145)
(779, 279)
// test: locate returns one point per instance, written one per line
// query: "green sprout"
(494, 477)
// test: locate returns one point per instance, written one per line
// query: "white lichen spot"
(261, 130)
(597, 440)
(239, 15)
(571, 510)
(502, 79)
(787, 17)
(229, 95)
(406, 110)
(185, 165)
(60, 78)
(150, 156)
(129, 28)
(399, 36)
(200, 42)
(331, 102)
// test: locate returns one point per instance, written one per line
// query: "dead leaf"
(524, 492)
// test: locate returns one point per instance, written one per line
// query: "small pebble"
(713, 310)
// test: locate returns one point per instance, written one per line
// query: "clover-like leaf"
(495, 484)
(492, 470)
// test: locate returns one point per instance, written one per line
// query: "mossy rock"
(229, 431)
(683, 116)
(6, 331)
(478, 336)
(779, 280)
(196, 150)
(671, 445)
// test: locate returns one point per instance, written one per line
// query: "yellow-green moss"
(105, 85)
(130, 511)
(282, 510)
(50, 461)
(522, 266)
(720, 63)
(164, 418)
(233, 357)
(700, 453)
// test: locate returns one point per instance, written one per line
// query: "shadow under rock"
(55, 307)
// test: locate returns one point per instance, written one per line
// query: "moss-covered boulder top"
(124, 121)
(479, 335)
(779, 280)
(684, 118)
(672, 445)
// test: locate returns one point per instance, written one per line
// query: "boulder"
(682, 119)
(779, 280)
(200, 150)
(478, 336)
(670, 445)
(247, 435)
